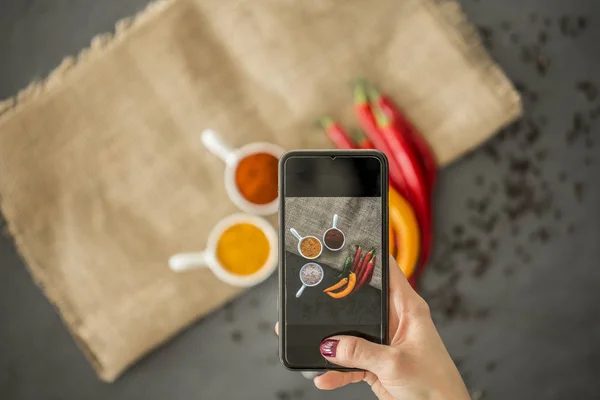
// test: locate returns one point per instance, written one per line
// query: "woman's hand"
(416, 364)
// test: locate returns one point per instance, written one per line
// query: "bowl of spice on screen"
(334, 238)
(251, 173)
(308, 246)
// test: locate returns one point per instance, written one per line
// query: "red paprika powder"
(256, 178)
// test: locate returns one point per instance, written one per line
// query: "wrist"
(451, 392)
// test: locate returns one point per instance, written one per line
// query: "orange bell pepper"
(404, 221)
(393, 239)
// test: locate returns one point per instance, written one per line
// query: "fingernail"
(328, 347)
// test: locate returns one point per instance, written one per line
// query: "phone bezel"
(385, 247)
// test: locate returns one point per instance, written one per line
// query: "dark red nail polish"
(328, 347)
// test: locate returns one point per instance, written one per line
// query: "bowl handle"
(185, 261)
(299, 293)
(296, 234)
(217, 146)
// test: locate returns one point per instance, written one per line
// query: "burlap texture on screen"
(359, 218)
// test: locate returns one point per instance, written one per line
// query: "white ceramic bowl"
(303, 238)
(208, 258)
(232, 158)
(334, 227)
(304, 284)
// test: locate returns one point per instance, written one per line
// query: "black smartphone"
(333, 252)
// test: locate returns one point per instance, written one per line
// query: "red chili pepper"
(413, 281)
(405, 127)
(369, 275)
(365, 144)
(363, 268)
(365, 117)
(359, 266)
(337, 134)
(356, 259)
(414, 176)
(366, 278)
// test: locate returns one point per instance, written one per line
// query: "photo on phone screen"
(333, 256)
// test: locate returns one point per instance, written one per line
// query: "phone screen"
(333, 204)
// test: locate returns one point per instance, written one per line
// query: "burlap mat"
(102, 173)
(358, 218)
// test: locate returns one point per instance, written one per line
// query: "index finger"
(397, 280)
(400, 289)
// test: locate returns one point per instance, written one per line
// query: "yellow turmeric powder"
(243, 249)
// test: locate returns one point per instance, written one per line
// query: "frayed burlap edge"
(454, 14)
(100, 45)
(458, 24)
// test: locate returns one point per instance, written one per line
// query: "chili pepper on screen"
(338, 285)
(356, 259)
(363, 266)
(347, 290)
(347, 266)
(366, 278)
(359, 265)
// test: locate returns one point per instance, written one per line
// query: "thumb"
(354, 352)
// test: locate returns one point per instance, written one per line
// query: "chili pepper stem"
(324, 122)
(373, 94)
(360, 92)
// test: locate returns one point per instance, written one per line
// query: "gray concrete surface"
(515, 282)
